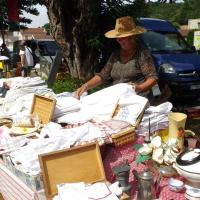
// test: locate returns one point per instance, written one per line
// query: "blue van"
(177, 63)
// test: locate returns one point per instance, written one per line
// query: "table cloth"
(115, 156)
(12, 188)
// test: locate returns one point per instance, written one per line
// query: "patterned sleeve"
(105, 72)
(147, 65)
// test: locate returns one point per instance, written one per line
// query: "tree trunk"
(73, 26)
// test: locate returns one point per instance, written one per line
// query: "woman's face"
(126, 43)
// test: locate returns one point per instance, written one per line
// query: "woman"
(131, 63)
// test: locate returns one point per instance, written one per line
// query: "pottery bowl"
(175, 185)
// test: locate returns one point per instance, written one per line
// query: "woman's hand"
(136, 87)
(81, 90)
(133, 85)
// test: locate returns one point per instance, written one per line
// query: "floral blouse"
(136, 70)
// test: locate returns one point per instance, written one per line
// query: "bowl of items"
(188, 164)
(175, 184)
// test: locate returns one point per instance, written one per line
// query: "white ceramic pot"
(190, 171)
(190, 176)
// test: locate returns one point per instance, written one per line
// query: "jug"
(177, 127)
(147, 189)
(122, 175)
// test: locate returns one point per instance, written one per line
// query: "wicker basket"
(43, 107)
(123, 137)
(128, 135)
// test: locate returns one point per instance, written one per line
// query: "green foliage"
(142, 159)
(66, 84)
(24, 5)
(190, 37)
(47, 28)
(95, 42)
(137, 146)
(178, 12)
(164, 11)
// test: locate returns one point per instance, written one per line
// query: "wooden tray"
(76, 164)
(44, 107)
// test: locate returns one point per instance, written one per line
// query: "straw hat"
(124, 27)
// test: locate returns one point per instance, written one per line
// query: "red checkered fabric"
(116, 156)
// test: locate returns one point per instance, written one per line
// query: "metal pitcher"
(147, 189)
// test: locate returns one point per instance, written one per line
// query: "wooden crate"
(76, 164)
(44, 107)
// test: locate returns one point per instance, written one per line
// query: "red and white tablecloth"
(12, 188)
(115, 156)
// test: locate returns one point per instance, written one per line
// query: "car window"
(47, 48)
(163, 41)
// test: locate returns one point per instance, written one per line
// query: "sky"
(40, 20)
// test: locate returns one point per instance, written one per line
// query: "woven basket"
(126, 136)
(43, 107)
(123, 137)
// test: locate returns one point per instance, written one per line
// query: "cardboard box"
(83, 163)
(34, 182)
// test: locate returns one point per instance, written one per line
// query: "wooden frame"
(44, 107)
(82, 163)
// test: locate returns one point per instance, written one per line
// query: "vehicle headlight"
(167, 68)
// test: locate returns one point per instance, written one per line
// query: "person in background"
(5, 51)
(131, 63)
(26, 58)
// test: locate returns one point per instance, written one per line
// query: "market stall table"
(12, 188)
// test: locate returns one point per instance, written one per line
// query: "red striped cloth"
(12, 188)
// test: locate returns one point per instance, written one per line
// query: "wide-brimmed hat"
(124, 27)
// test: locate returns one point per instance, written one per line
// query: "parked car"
(177, 63)
(44, 52)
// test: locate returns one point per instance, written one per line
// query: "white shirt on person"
(28, 56)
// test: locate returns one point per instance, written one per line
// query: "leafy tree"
(190, 9)
(47, 28)
(166, 1)
(79, 27)
(24, 6)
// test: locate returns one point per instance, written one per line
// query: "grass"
(66, 83)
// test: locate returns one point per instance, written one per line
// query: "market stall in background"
(55, 146)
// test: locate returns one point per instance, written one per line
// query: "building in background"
(25, 34)
(193, 24)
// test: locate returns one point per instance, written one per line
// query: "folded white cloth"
(158, 118)
(65, 105)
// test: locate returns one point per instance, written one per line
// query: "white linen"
(158, 116)
(81, 191)
(27, 155)
(103, 103)
(75, 191)
(131, 106)
(65, 105)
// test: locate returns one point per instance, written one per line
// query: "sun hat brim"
(115, 34)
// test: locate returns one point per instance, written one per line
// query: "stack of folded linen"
(155, 118)
(66, 105)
